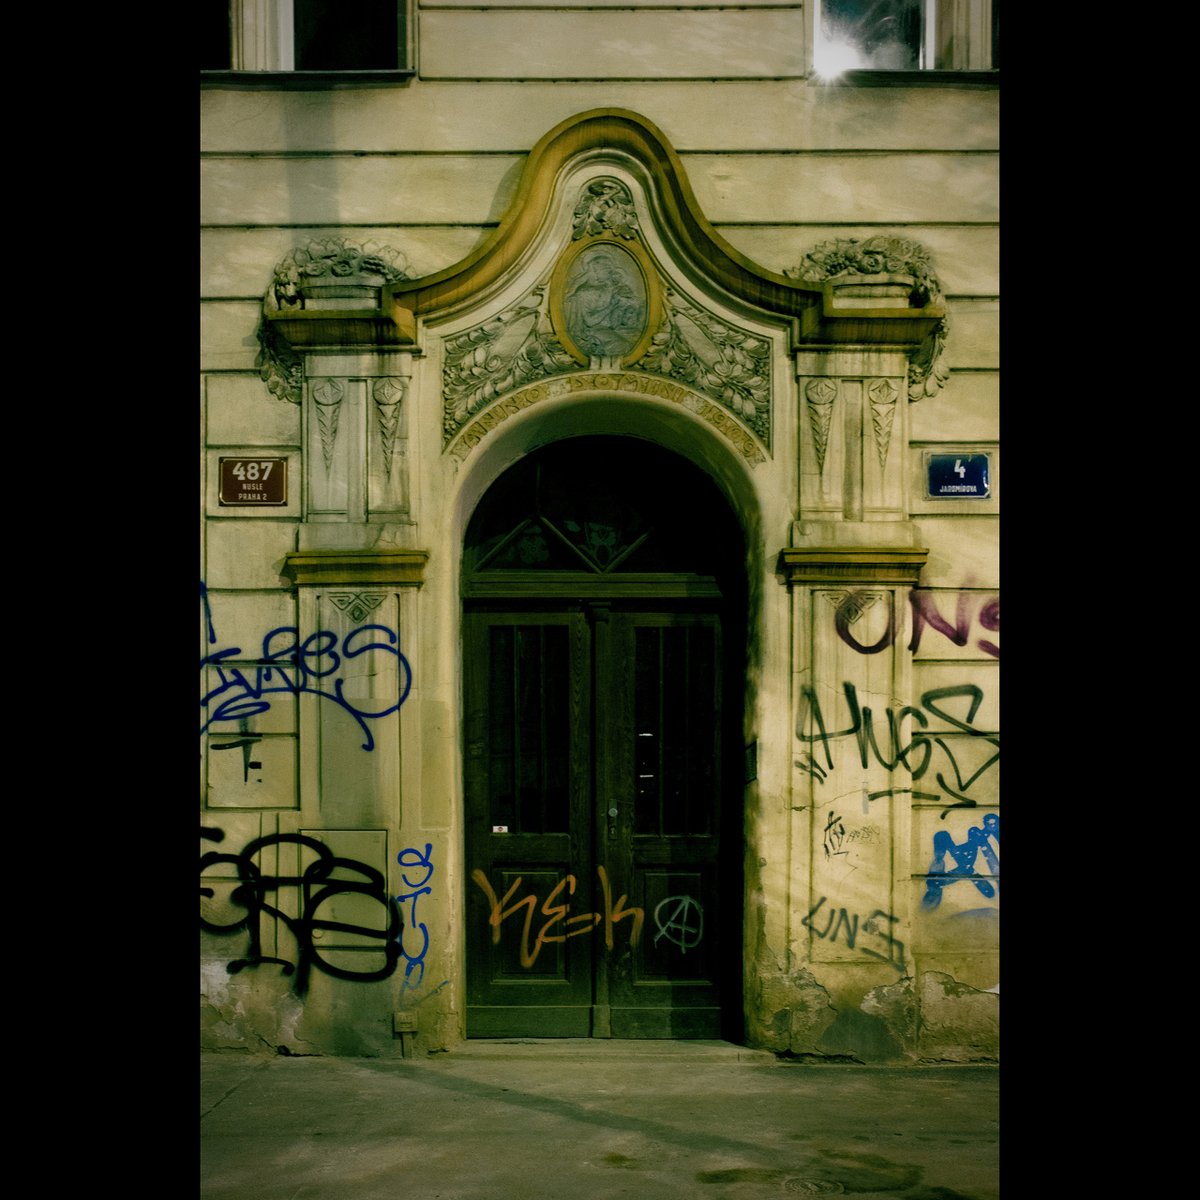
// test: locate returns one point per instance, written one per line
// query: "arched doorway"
(604, 615)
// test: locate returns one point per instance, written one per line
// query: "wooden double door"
(603, 841)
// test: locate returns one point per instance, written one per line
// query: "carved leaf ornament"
(511, 349)
(725, 363)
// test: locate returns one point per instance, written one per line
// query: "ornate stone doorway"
(603, 654)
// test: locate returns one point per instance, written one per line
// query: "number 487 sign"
(253, 482)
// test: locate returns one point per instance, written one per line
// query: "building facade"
(600, 582)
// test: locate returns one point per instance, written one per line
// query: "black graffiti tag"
(316, 887)
(916, 754)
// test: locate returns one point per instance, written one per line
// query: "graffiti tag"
(841, 921)
(316, 887)
(983, 840)
(288, 665)
(925, 613)
(420, 864)
(677, 927)
(556, 914)
(916, 754)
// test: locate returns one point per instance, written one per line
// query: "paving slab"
(593, 1120)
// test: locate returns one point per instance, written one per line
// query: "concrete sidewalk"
(593, 1120)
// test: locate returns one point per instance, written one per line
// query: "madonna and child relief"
(604, 302)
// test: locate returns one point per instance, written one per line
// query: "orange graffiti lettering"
(556, 913)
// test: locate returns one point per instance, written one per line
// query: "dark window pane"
(885, 34)
(347, 35)
(622, 504)
(501, 729)
(529, 728)
(676, 751)
(647, 732)
(676, 703)
(556, 694)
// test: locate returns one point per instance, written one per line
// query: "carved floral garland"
(279, 367)
(885, 254)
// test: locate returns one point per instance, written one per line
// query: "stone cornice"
(396, 568)
(388, 326)
(851, 564)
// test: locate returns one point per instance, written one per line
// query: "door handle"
(612, 821)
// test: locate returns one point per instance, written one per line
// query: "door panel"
(662, 767)
(528, 787)
(594, 792)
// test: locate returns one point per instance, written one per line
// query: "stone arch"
(600, 411)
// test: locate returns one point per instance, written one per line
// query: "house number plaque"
(253, 482)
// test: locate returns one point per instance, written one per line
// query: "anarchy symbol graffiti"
(677, 927)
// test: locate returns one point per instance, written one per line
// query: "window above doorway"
(922, 37)
(302, 43)
(589, 509)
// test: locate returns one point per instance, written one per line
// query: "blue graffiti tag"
(978, 842)
(413, 859)
(291, 666)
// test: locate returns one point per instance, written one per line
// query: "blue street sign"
(959, 476)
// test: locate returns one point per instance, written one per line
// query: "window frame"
(970, 26)
(262, 51)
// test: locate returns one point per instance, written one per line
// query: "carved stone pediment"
(604, 263)
(617, 135)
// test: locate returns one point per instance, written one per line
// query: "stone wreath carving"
(329, 259)
(605, 205)
(515, 347)
(879, 255)
(279, 366)
(731, 366)
(331, 264)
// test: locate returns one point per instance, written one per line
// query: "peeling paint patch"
(958, 1023)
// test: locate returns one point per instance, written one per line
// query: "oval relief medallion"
(602, 303)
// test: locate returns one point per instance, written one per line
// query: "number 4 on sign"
(959, 469)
